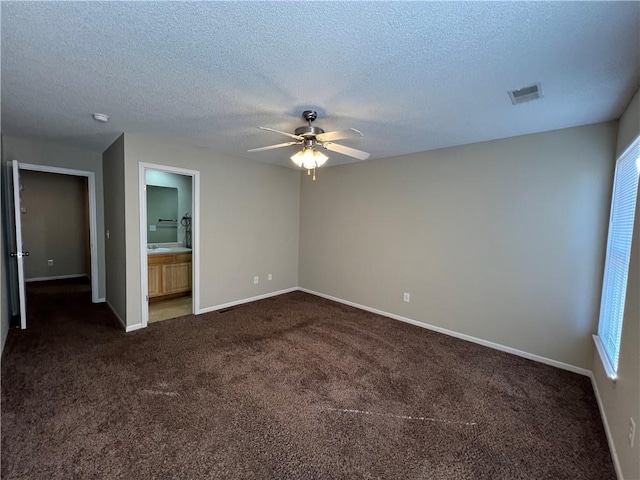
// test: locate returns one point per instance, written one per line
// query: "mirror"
(162, 214)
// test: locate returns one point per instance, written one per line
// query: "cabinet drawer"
(183, 258)
(159, 259)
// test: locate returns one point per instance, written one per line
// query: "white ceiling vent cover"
(526, 94)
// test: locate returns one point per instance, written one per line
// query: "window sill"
(608, 368)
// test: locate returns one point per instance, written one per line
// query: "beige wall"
(621, 399)
(55, 155)
(503, 240)
(114, 224)
(55, 224)
(248, 222)
(629, 127)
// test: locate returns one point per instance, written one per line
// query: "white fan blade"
(297, 137)
(352, 152)
(270, 147)
(338, 135)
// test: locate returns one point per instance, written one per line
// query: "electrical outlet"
(269, 277)
(152, 228)
(632, 431)
(256, 280)
(406, 297)
(50, 263)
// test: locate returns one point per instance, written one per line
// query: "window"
(614, 287)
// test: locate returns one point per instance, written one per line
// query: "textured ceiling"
(411, 76)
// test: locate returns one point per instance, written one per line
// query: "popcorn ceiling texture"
(412, 76)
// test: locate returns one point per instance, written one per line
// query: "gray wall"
(55, 155)
(249, 222)
(503, 240)
(621, 399)
(114, 218)
(183, 184)
(4, 304)
(55, 225)
(4, 307)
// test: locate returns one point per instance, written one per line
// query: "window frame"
(610, 359)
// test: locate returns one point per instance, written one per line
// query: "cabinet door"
(155, 280)
(176, 278)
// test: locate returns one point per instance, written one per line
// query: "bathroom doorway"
(168, 233)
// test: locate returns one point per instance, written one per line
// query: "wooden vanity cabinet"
(169, 274)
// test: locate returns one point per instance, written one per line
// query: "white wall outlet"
(107, 233)
(152, 228)
(256, 280)
(50, 263)
(632, 431)
(269, 277)
(406, 297)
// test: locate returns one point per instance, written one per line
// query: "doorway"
(17, 245)
(169, 212)
(92, 216)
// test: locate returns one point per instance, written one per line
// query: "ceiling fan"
(311, 138)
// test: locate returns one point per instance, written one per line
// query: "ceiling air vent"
(526, 94)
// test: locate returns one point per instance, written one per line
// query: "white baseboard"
(612, 447)
(129, 328)
(245, 300)
(57, 277)
(113, 310)
(462, 336)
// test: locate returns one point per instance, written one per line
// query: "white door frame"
(195, 234)
(93, 216)
(19, 254)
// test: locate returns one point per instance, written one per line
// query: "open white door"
(19, 254)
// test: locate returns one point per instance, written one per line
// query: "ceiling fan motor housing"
(308, 131)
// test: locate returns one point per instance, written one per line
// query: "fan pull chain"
(314, 173)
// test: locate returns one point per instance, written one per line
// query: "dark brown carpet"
(292, 387)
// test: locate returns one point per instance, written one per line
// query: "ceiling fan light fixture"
(309, 158)
(320, 158)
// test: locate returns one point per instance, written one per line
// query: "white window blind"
(623, 206)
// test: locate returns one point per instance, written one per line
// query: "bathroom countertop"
(159, 250)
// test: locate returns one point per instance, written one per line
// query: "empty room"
(320, 240)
